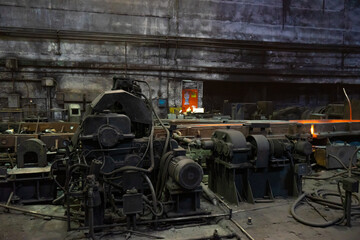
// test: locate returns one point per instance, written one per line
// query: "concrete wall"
(87, 66)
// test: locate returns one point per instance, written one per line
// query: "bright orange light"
(189, 109)
(312, 131)
(324, 121)
(216, 125)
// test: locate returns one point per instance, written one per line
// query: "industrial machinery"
(118, 171)
(255, 168)
(30, 180)
(335, 156)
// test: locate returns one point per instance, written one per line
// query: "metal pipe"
(226, 236)
(9, 200)
(182, 138)
(37, 124)
(223, 202)
(11, 162)
(242, 229)
(209, 194)
(33, 212)
(161, 220)
(134, 232)
(348, 99)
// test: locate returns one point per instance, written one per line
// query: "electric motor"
(187, 173)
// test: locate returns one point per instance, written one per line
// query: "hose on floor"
(307, 222)
(319, 197)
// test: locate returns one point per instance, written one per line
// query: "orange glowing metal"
(216, 125)
(324, 121)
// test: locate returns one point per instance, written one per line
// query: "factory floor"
(269, 221)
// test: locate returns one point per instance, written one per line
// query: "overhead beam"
(174, 41)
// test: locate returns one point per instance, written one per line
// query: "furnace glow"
(312, 131)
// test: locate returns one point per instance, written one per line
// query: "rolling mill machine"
(116, 169)
(255, 168)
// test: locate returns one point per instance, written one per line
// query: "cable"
(339, 160)
(154, 211)
(167, 133)
(319, 197)
(164, 173)
(161, 169)
(53, 177)
(325, 178)
(151, 147)
(156, 115)
(146, 150)
(78, 165)
(153, 195)
(307, 222)
(342, 202)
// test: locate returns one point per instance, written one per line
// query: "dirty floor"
(269, 221)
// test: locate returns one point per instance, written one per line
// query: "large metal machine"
(29, 180)
(255, 168)
(116, 165)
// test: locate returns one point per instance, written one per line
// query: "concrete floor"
(269, 221)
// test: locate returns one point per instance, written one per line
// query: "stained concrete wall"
(332, 21)
(86, 67)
